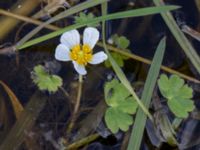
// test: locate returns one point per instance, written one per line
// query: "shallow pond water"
(48, 114)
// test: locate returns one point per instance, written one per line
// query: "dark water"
(144, 34)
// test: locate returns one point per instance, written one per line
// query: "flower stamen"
(81, 54)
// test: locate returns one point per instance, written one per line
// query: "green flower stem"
(77, 105)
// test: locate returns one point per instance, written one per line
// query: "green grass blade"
(66, 13)
(180, 37)
(140, 120)
(124, 14)
(120, 74)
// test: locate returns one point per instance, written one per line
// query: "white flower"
(70, 49)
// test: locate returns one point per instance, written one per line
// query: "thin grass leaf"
(140, 120)
(119, 15)
(180, 37)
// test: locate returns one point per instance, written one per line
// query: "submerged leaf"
(45, 81)
(178, 95)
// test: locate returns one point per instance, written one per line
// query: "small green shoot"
(45, 81)
(84, 17)
(120, 42)
(178, 95)
(121, 106)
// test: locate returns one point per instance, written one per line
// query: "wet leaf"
(177, 94)
(121, 105)
(45, 81)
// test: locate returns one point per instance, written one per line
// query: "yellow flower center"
(81, 54)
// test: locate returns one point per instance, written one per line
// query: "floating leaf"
(45, 81)
(121, 105)
(84, 17)
(178, 95)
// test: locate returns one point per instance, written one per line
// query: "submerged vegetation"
(143, 94)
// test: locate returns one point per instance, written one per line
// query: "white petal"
(98, 58)
(62, 53)
(90, 36)
(79, 68)
(70, 38)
